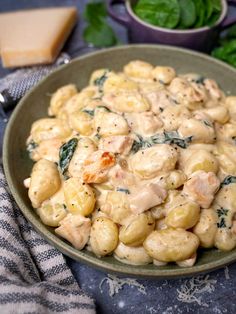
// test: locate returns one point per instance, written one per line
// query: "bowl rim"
(67, 249)
(179, 31)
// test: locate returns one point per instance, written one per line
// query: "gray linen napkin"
(34, 277)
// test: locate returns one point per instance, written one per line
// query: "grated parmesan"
(115, 284)
(192, 289)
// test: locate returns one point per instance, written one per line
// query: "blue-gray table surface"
(209, 293)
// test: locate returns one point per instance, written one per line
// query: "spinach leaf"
(98, 32)
(90, 112)
(31, 146)
(126, 191)
(66, 153)
(163, 138)
(200, 11)
(100, 81)
(228, 180)
(187, 13)
(100, 36)
(159, 12)
(226, 52)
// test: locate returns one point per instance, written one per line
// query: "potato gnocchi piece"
(163, 74)
(110, 124)
(153, 161)
(137, 230)
(206, 227)
(201, 187)
(116, 206)
(184, 216)
(226, 133)
(171, 245)
(200, 130)
(187, 93)
(230, 103)
(75, 229)
(48, 149)
(173, 116)
(126, 101)
(44, 182)
(144, 123)
(103, 236)
(174, 180)
(200, 160)
(96, 166)
(81, 122)
(47, 129)
(79, 197)
(218, 114)
(116, 83)
(60, 97)
(51, 215)
(226, 155)
(138, 70)
(132, 255)
(79, 100)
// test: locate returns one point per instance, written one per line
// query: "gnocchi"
(140, 164)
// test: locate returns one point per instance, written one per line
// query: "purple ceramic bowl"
(201, 39)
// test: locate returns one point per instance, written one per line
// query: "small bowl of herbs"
(192, 24)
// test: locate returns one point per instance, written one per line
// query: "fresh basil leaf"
(66, 153)
(159, 12)
(187, 13)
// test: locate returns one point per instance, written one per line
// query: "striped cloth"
(34, 277)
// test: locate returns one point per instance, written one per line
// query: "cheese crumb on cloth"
(34, 277)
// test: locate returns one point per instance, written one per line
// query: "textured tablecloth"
(34, 276)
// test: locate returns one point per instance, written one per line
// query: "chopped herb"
(64, 206)
(222, 223)
(222, 213)
(31, 146)
(228, 180)
(90, 112)
(207, 123)
(100, 81)
(126, 191)
(66, 153)
(98, 136)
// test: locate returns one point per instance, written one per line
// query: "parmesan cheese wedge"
(34, 36)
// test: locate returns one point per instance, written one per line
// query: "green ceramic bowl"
(17, 164)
